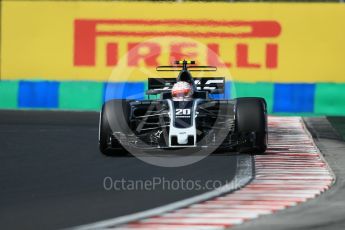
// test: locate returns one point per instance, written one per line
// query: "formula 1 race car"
(184, 116)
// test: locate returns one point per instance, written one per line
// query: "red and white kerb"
(292, 171)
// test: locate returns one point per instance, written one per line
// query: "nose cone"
(182, 138)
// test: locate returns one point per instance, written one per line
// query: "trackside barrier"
(303, 98)
(65, 54)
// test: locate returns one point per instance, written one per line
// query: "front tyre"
(251, 117)
(113, 118)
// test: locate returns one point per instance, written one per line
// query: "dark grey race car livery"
(164, 123)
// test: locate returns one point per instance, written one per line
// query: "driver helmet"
(182, 91)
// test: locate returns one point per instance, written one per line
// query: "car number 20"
(182, 111)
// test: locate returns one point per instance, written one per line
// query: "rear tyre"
(251, 117)
(113, 118)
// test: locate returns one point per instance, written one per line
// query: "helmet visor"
(186, 92)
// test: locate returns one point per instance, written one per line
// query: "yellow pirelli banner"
(91, 40)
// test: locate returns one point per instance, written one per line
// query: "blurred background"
(63, 55)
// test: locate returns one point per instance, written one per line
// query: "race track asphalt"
(51, 173)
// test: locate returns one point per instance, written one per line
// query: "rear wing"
(214, 85)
